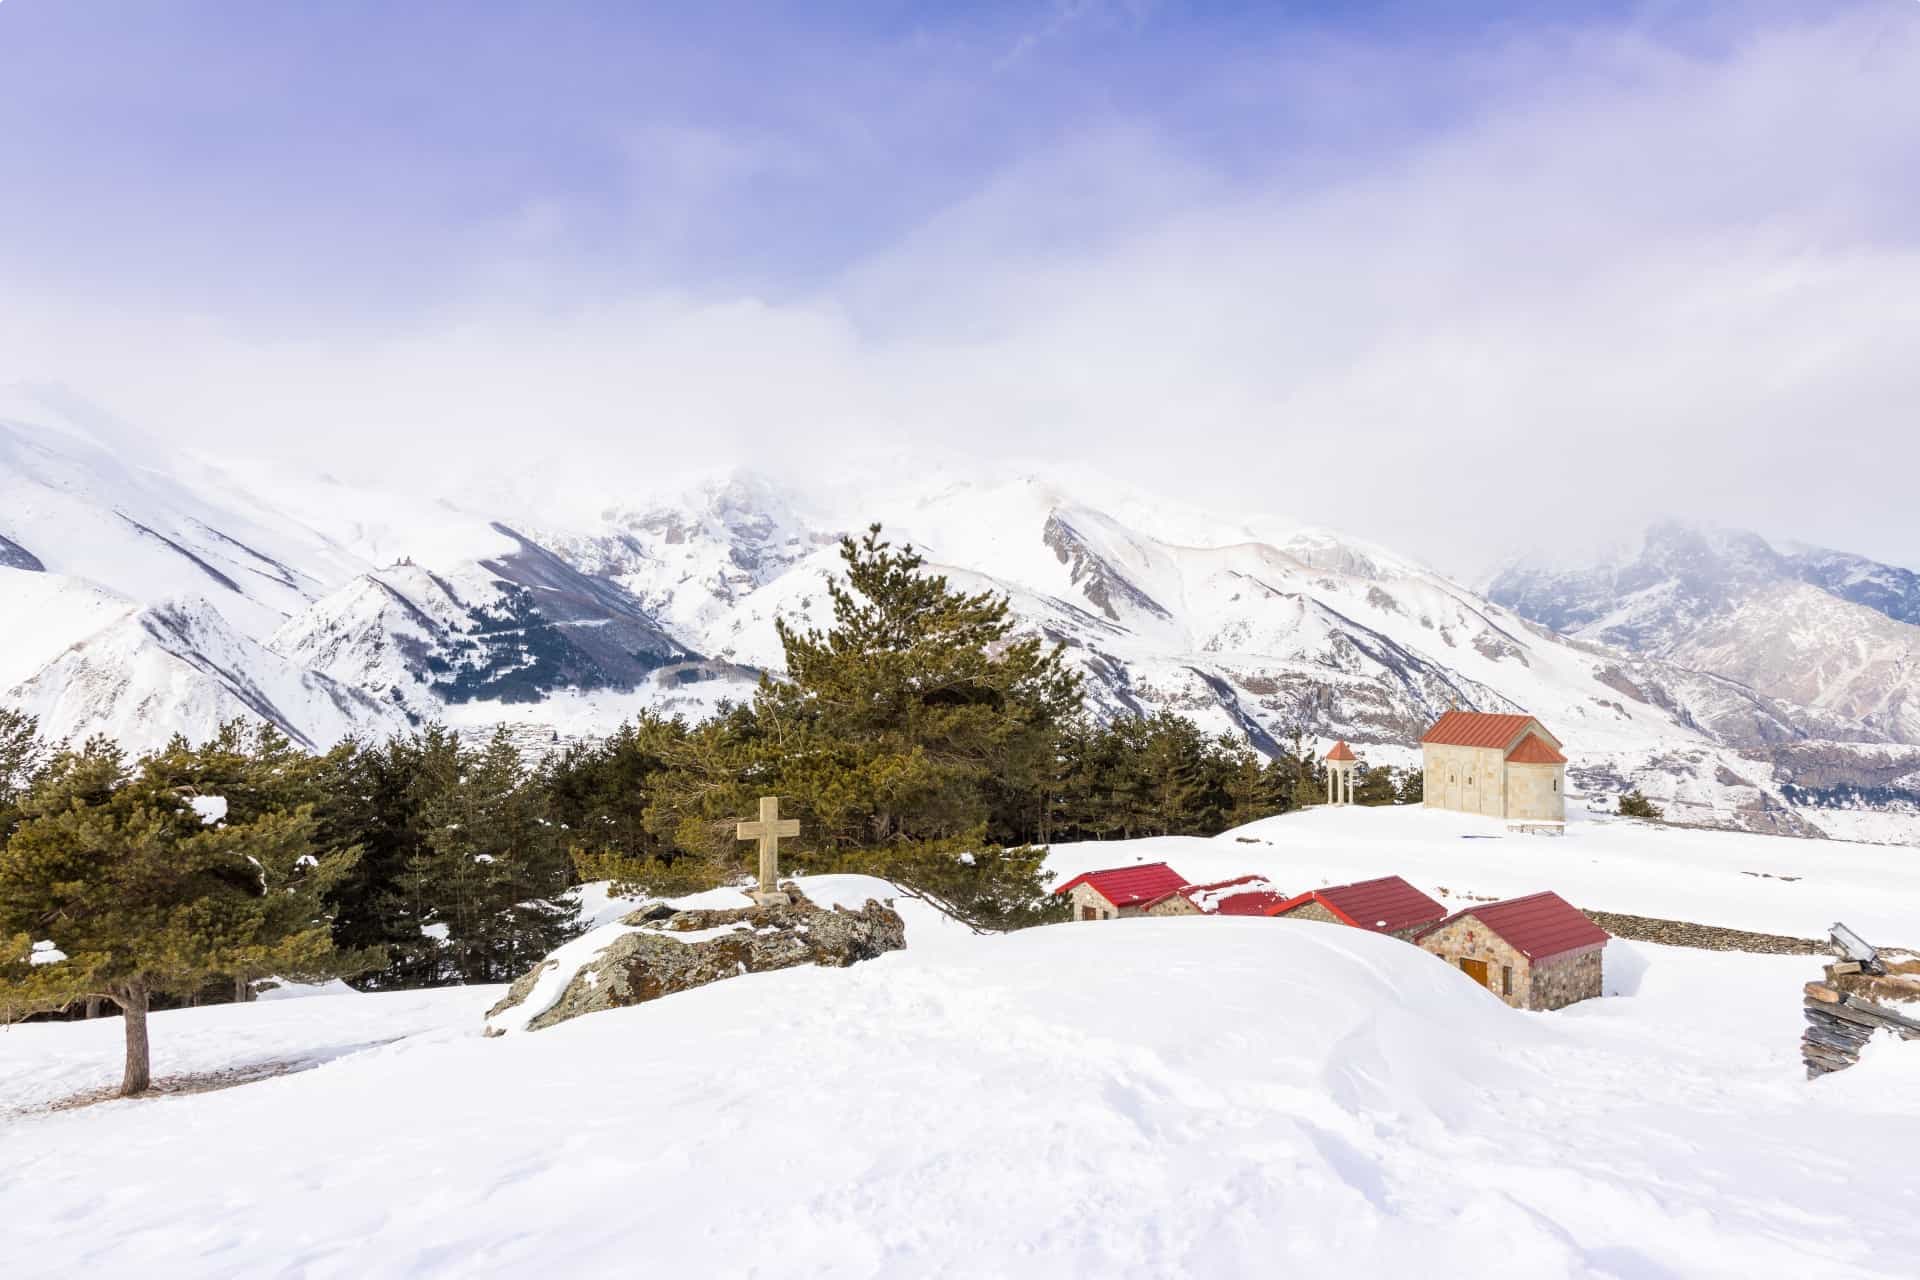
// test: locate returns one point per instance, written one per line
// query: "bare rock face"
(657, 951)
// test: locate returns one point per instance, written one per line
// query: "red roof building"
(1496, 765)
(1387, 905)
(1120, 891)
(1341, 751)
(1240, 896)
(1476, 729)
(1536, 952)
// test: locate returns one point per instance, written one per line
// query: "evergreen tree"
(492, 881)
(1413, 786)
(1635, 805)
(112, 886)
(22, 756)
(1376, 786)
(894, 723)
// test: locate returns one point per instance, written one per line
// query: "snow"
(1726, 878)
(45, 952)
(211, 809)
(1200, 1096)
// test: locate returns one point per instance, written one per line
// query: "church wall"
(1537, 792)
(1465, 779)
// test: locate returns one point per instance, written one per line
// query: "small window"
(1556, 784)
(1506, 979)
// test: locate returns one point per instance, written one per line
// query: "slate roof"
(1130, 886)
(1386, 905)
(1539, 926)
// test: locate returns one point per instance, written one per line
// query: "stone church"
(1499, 766)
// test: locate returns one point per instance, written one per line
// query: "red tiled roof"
(1475, 729)
(1130, 886)
(1534, 749)
(1386, 905)
(1341, 751)
(1539, 926)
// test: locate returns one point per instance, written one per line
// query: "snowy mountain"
(150, 595)
(1831, 632)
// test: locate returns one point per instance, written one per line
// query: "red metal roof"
(1341, 751)
(1257, 902)
(1130, 886)
(1475, 729)
(1539, 926)
(1534, 749)
(1386, 905)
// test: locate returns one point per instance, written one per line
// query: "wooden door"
(1475, 969)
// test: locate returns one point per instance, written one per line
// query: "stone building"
(1388, 905)
(1536, 952)
(1125, 891)
(1500, 766)
(1249, 895)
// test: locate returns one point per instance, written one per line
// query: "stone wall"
(1312, 911)
(1466, 938)
(1565, 979)
(1085, 898)
(1176, 905)
(1555, 984)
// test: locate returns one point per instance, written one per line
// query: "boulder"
(656, 950)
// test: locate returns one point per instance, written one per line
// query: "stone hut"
(1388, 905)
(1124, 891)
(1500, 766)
(1536, 952)
(1249, 895)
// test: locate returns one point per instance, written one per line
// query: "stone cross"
(769, 831)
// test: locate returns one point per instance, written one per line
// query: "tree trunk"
(138, 1076)
(242, 990)
(93, 1006)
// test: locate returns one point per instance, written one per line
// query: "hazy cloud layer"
(1463, 295)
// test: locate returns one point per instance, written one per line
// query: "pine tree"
(894, 723)
(22, 756)
(112, 886)
(1413, 786)
(494, 874)
(1635, 805)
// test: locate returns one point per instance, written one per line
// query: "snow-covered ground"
(1200, 1096)
(1769, 884)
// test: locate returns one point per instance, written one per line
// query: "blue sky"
(1681, 232)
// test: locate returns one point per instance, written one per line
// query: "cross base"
(771, 898)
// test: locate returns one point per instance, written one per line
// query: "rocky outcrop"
(657, 951)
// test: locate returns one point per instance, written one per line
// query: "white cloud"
(1629, 280)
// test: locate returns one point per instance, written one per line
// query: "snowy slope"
(1824, 630)
(1206, 1096)
(179, 667)
(511, 602)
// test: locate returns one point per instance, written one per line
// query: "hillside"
(165, 594)
(1192, 1096)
